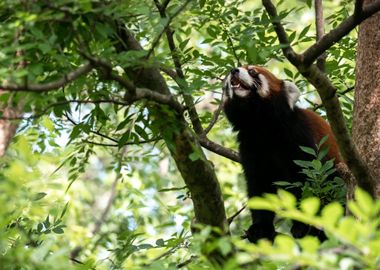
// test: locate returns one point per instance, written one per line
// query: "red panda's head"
(249, 82)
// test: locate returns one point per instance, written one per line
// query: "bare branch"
(215, 117)
(45, 87)
(340, 31)
(218, 149)
(231, 218)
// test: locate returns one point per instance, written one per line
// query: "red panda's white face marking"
(242, 82)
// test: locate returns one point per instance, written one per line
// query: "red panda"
(262, 109)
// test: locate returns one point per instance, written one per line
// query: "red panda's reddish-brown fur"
(320, 128)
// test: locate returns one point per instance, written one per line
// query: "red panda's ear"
(292, 92)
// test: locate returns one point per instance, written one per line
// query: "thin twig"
(166, 25)
(92, 131)
(230, 41)
(214, 117)
(128, 143)
(231, 218)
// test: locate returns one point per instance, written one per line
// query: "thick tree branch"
(330, 101)
(328, 40)
(45, 87)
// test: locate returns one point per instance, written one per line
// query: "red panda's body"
(270, 129)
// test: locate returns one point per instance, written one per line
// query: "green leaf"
(323, 140)
(310, 206)
(317, 164)
(303, 163)
(39, 196)
(58, 230)
(304, 31)
(309, 150)
(160, 242)
(260, 203)
(288, 73)
(194, 156)
(124, 139)
(282, 183)
(322, 153)
(64, 210)
(332, 213)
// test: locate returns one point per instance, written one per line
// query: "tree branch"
(45, 87)
(330, 101)
(218, 149)
(214, 117)
(134, 93)
(343, 29)
(128, 143)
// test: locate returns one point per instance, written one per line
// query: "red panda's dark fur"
(270, 132)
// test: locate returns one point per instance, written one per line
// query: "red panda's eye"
(252, 72)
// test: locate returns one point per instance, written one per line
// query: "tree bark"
(366, 119)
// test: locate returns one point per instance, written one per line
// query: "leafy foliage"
(88, 182)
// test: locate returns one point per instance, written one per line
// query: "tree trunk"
(366, 120)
